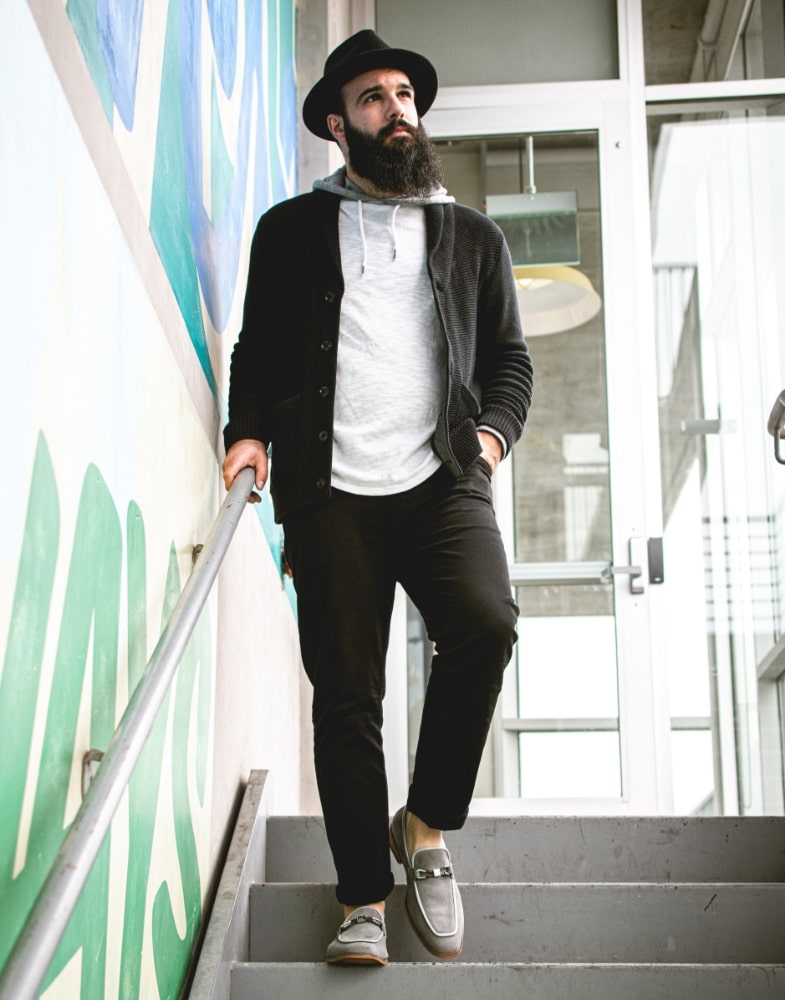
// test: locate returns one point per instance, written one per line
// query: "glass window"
(690, 41)
(569, 765)
(718, 210)
(693, 781)
(501, 42)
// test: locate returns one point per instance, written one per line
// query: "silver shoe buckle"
(423, 873)
(361, 918)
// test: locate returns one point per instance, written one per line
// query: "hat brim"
(323, 97)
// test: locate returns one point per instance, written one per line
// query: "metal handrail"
(46, 923)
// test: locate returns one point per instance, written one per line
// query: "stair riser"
(548, 923)
(568, 849)
(494, 982)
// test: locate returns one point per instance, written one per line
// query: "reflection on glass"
(719, 293)
(558, 736)
(699, 40)
(419, 650)
(693, 782)
(581, 683)
(570, 765)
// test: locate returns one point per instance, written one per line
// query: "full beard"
(404, 167)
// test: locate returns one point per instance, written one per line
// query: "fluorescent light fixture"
(554, 299)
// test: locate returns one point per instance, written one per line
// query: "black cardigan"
(282, 375)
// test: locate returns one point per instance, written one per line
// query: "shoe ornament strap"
(418, 874)
(361, 918)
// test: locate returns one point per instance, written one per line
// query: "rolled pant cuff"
(433, 818)
(359, 893)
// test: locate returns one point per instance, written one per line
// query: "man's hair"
(340, 105)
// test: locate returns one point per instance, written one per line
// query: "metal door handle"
(635, 570)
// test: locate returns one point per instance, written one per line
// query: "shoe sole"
(397, 854)
(357, 960)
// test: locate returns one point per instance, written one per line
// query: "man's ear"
(335, 125)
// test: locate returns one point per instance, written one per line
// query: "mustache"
(393, 126)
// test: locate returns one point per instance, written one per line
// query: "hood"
(338, 183)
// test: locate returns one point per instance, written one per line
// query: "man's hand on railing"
(243, 453)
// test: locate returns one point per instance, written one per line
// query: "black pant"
(440, 540)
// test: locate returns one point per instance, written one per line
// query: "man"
(381, 361)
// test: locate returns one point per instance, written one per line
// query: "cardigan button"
(324, 391)
(329, 296)
(324, 436)
(327, 345)
(321, 483)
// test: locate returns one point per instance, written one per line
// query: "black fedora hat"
(364, 51)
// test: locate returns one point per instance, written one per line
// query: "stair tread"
(604, 884)
(550, 923)
(568, 849)
(447, 968)
(462, 980)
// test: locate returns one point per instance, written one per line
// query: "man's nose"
(395, 109)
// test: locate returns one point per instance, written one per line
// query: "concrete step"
(595, 908)
(538, 923)
(462, 981)
(568, 849)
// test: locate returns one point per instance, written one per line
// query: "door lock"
(635, 568)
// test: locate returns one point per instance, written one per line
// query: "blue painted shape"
(222, 15)
(200, 249)
(208, 271)
(120, 29)
(81, 14)
(281, 80)
(217, 245)
(169, 223)
(221, 170)
(274, 535)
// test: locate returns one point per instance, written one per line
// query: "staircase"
(594, 908)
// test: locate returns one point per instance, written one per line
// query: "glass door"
(582, 723)
(557, 734)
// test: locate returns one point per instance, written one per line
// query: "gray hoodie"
(391, 351)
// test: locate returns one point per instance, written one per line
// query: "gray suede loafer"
(433, 902)
(361, 939)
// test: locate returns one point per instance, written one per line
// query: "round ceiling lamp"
(554, 299)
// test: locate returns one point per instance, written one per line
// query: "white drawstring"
(362, 235)
(392, 227)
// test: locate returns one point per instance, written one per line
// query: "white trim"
(721, 90)
(555, 807)
(629, 21)
(513, 95)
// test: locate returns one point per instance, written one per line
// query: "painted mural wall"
(139, 143)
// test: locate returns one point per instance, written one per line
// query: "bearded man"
(381, 363)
